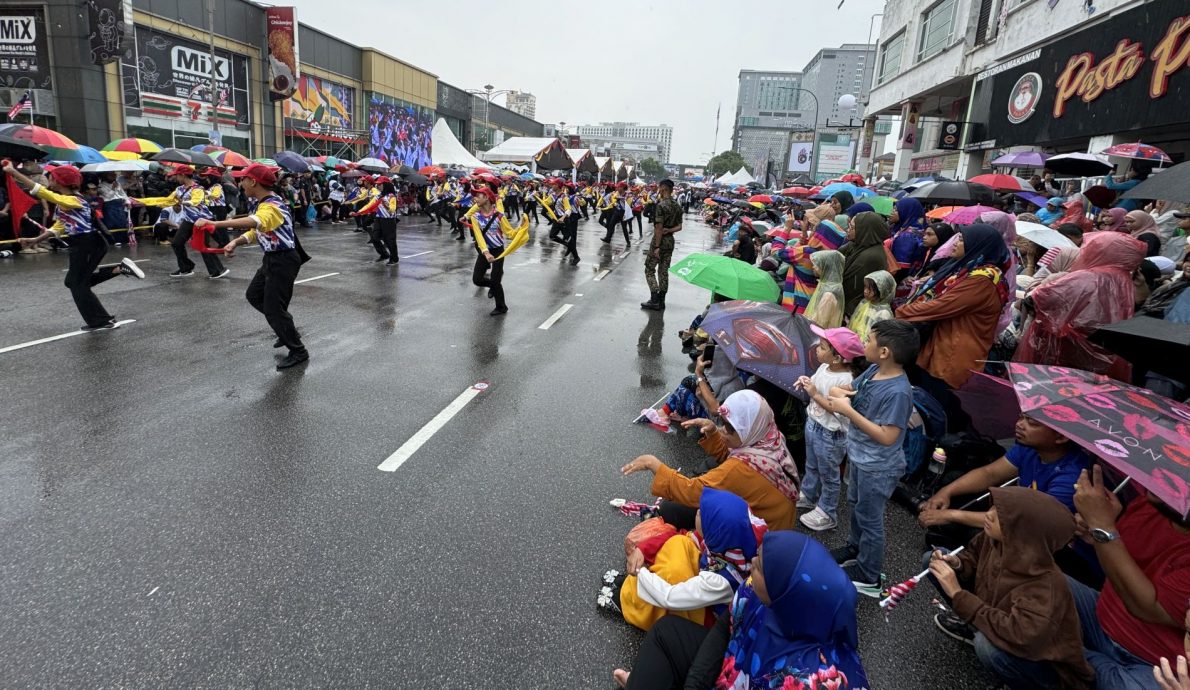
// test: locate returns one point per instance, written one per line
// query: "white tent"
(536, 152)
(725, 178)
(741, 176)
(445, 149)
(583, 160)
(603, 165)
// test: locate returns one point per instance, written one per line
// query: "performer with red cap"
(75, 219)
(384, 231)
(495, 238)
(194, 200)
(270, 224)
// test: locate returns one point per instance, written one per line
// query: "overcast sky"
(654, 62)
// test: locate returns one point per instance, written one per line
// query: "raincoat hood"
(1109, 251)
(886, 285)
(829, 265)
(870, 230)
(1034, 525)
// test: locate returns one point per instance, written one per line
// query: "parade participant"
(194, 203)
(384, 230)
(529, 202)
(668, 221)
(495, 239)
(570, 233)
(512, 201)
(270, 224)
(551, 203)
(75, 219)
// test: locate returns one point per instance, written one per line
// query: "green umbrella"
(726, 276)
(265, 161)
(882, 204)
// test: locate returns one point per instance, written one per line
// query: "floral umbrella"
(1138, 151)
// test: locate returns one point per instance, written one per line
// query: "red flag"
(19, 205)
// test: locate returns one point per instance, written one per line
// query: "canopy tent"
(583, 160)
(603, 167)
(725, 178)
(536, 152)
(445, 149)
(740, 176)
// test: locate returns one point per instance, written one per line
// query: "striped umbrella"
(133, 145)
(266, 161)
(120, 155)
(59, 146)
(229, 159)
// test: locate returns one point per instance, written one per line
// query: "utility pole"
(214, 86)
(716, 144)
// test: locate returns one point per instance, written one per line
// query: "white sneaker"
(817, 520)
(803, 503)
(130, 268)
(221, 275)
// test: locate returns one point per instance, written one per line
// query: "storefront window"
(936, 25)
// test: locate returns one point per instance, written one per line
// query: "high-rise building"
(604, 134)
(766, 111)
(522, 103)
(836, 72)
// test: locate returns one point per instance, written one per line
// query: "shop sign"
(949, 134)
(24, 49)
(163, 73)
(281, 37)
(933, 164)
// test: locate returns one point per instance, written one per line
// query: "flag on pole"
(23, 105)
(20, 203)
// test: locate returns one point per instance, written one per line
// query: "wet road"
(176, 513)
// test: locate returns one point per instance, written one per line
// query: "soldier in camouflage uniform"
(667, 220)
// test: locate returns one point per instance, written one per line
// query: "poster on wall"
(162, 64)
(24, 49)
(320, 106)
(110, 23)
(281, 32)
(399, 132)
(801, 154)
(834, 158)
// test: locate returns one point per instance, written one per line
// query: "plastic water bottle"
(938, 463)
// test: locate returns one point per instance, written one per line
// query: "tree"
(652, 168)
(726, 162)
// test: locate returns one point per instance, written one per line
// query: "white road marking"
(154, 591)
(52, 338)
(578, 294)
(600, 275)
(135, 261)
(432, 427)
(545, 326)
(418, 254)
(306, 280)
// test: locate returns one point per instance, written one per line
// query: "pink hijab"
(1145, 223)
(1005, 224)
(763, 448)
(1117, 219)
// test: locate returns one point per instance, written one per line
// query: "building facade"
(836, 72)
(521, 103)
(767, 110)
(609, 132)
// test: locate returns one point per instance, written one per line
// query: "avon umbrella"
(1003, 183)
(726, 276)
(1138, 151)
(764, 339)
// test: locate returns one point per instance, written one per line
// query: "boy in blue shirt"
(878, 405)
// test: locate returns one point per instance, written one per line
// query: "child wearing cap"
(194, 201)
(841, 354)
(75, 219)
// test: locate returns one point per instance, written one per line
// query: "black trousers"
(570, 235)
(480, 278)
(376, 239)
(667, 654)
(512, 207)
(86, 251)
(388, 235)
(616, 217)
(270, 291)
(161, 232)
(531, 210)
(640, 225)
(179, 242)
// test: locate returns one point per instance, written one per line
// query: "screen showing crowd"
(399, 133)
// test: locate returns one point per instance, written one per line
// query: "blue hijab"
(908, 232)
(728, 535)
(856, 209)
(808, 632)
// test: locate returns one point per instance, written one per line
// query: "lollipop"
(899, 591)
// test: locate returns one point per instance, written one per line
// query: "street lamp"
(488, 93)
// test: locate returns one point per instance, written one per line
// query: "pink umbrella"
(967, 214)
(1138, 151)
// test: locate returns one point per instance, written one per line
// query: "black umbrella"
(19, 150)
(406, 170)
(353, 173)
(1163, 346)
(416, 178)
(292, 162)
(1170, 184)
(185, 157)
(457, 173)
(1079, 164)
(956, 192)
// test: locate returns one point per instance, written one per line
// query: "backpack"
(927, 425)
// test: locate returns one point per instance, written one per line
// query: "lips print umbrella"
(1137, 151)
(764, 339)
(1143, 435)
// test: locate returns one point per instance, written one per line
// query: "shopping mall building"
(142, 68)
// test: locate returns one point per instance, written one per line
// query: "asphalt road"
(176, 513)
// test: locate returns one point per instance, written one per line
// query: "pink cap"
(844, 340)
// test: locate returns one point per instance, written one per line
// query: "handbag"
(645, 530)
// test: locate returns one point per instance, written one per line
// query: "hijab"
(1117, 219)
(762, 445)
(1055, 262)
(808, 632)
(1046, 215)
(907, 233)
(829, 267)
(728, 537)
(865, 255)
(858, 208)
(845, 200)
(1145, 224)
(1005, 224)
(945, 232)
(873, 311)
(983, 249)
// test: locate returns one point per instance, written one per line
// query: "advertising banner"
(801, 155)
(320, 107)
(111, 25)
(399, 132)
(949, 135)
(833, 158)
(24, 49)
(281, 30)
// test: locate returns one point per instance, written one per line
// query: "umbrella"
(722, 200)
(1137, 151)
(117, 166)
(458, 174)
(955, 192)
(294, 163)
(1042, 235)
(726, 276)
(756, 204)
(374, 165)
(941, 212)
(230, 159)
(991, 403)
(881, 204)
(59, 146)
(19, 150)
(1171, 184)
(795, 191)
(266, 161)
(83, 154)
(1034, 198)
(1100, 196)
(1022, 159)
(416, 178)
(709, 202)
(1079, 164)
(326, 161)
(762, 198)
(134, 145)
(353, 174)
(742, 204)
(1144, 435)
(526, 176)
(856, 192)
(431, 170)
(1003, 183)
(966, 215)
(1162, 346)
(919, 181)
(185, 157)
(120, 155)
(763, 339)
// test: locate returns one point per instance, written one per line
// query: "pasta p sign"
(1022, 102)
(281, 32)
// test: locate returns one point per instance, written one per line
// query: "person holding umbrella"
(193, 199)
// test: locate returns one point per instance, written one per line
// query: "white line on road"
(418, 254)
(545, 326)
(600, 275)
(432, 427)
(52, 338)
(306, 280)
(151, 593)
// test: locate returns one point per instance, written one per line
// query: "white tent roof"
(724, 178)
(445, 149)
(583, 160)
(527, 149)
(742, 176)
(601, 162)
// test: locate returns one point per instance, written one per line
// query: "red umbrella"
(795, 191)
(1003, 183)
(815, 189)
(762, 198)
(1100, 196)
(432, 170)
(853, 178)
(41, 136)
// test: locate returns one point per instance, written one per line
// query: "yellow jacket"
(516, 236)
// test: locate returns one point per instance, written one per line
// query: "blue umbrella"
(83, 154)
(856, 192)
(292, 162)
(526, 176)
(722, 200)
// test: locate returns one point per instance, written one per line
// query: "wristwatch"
(1103, 536)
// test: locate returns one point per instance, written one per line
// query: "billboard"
(320, 106)
(834, 158)
(111, 26)
(24, 49)
(801, 154)
(399, 132)
(281, 32)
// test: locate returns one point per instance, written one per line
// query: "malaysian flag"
(25, 105)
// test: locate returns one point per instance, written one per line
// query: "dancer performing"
(383, 231)
(193, 199)
(270, 224)
(495, 239)
(75, 219)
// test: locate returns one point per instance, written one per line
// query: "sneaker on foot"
(129, 268)
(182, 274)
(392, 262)
(862, 584)
(498, 311)
(102, 327)
(294, 358)
(804, 503)
(845, 554)
(955, 627)
(224, 273)
(817, 520)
